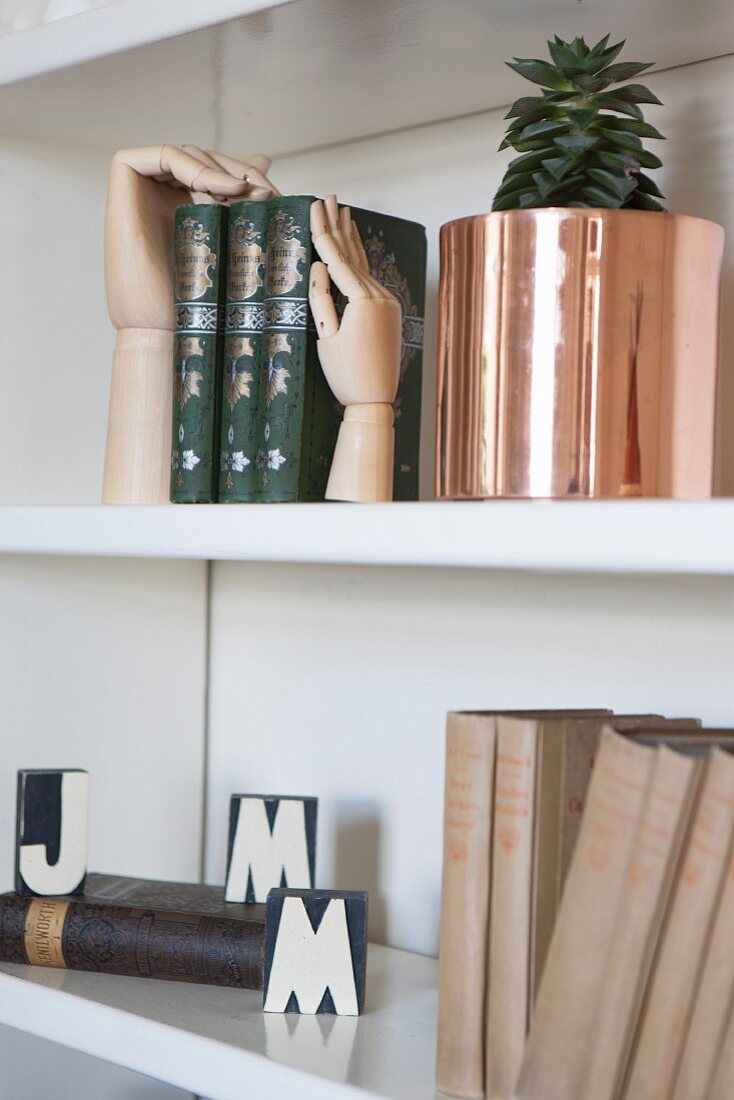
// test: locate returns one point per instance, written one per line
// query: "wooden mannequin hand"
(145, 187)
(360, 356)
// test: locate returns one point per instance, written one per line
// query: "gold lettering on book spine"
(193, 259)
(285, 253)
(44, 926)
(246, 262)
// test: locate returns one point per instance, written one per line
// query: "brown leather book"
(172, 931)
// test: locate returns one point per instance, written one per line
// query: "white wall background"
(326, 681)
(336, 683)
(102, 666)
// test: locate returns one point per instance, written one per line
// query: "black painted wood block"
(315, 951)
(272, 843)
(51, 838)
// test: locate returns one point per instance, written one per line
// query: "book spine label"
(467, 856)
(243, 337)
(510, 911)
(198, 276)
(182, 947)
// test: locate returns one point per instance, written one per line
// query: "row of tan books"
(587, 921)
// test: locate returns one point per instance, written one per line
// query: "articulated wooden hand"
(360, 356)
(145, 187)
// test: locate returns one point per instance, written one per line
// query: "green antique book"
(298, 416)
(396, 252)
(243, 337)
(198, 286)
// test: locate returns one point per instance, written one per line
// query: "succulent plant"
(580, 142)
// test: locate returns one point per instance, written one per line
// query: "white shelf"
(652, 536)
(285, 76)
(218, 1043)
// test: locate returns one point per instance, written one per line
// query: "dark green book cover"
(198, 284)
(243, 337)
(299, 417)
(396, 252)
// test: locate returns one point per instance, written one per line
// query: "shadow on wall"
(357, 859)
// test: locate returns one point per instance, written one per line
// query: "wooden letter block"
(315, 951)
(272, 843)
(51, 831)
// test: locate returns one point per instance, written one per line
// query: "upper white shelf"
(285, 76)
(219, 1044)
(632, 536)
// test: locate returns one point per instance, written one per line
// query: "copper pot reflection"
(577, 354)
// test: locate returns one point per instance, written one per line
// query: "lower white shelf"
(218, 1043)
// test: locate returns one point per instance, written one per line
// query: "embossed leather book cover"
(298, 419)
(396, 251)
(199, 271)
(137, 927)
(243, 337)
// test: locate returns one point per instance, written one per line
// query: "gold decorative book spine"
(43, 934)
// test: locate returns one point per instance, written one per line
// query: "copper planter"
(577, 354)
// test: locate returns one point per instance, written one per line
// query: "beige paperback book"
(465, 895)
(567, 749)
(467, 854)
(562, 1026)
(510, 906)
(722, 1086)
(650, 877)
(712, 1004)
(669, 1003)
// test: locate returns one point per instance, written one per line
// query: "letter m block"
(315, 951)
(272, 843)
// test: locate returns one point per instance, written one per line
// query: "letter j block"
(315, 951)
(51, 831)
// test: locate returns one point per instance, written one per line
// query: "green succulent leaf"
(607, 101)
(630, 126)
(580, 139)
(576, 143)
(540, 72)
(526, 162)
(645, 202)
(625, 70)
(648, 186)
(582, 116)
(636, 93)
(618, 185)
(525, 104)
(548, 128)
(600, 197)
(565, 58)
(590, 83)
(559, 166)
(609, 54)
